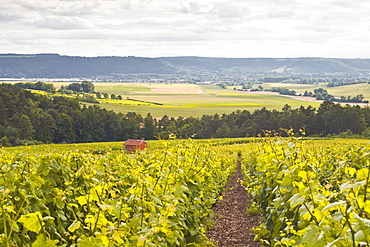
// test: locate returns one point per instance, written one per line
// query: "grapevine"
(151, 198)
(310, 195)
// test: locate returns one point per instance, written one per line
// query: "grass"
(348, 90)
(197, 106)
(351, 90)
(187, 100)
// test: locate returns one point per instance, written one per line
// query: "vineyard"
(80, 198)
(308, 192)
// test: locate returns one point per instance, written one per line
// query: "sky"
(218, 28)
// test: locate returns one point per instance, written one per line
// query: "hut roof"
(133, 142)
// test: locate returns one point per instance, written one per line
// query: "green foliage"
(275, 79)
(322, 94)
(343, 83)
(158, 198)
(4, 142)
(310, 195)
(85, 86)
(47, 87)
(89, 99)
(283, 91)
(27, 118)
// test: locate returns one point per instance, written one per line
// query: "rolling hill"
(58, 66)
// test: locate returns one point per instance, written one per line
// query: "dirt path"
(232, 225)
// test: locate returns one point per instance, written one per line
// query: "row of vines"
(153, 198)
(310, 195)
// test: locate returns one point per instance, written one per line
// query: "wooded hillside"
(57, 66)
(27, 118)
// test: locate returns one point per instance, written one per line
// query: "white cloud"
(64, 22)
(278, 13)
(11, 11)
(58, 7)
(196, 7)
(183, 6)
(186, 27)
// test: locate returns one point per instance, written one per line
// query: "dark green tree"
(24, 126)
(76, 87)
(87, 86)
(64, 131)
(44, 125)
(150, 127)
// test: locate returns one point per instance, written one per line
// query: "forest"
(27, 118)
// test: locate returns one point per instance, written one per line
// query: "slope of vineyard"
(310, 193)
(160, 197)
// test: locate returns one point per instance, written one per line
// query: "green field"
(185, 100)
(348, 90)
(189, 99)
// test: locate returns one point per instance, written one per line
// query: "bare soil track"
(232, 225)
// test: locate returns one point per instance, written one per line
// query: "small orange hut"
(133, 145)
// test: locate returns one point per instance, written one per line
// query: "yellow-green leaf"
(297, 199)
(82, 200)
(74, 226)
(32, 221)
(41, 241)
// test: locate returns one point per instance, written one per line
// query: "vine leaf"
(41, 241)
(74, 226)
(295, 200)
(32, 221)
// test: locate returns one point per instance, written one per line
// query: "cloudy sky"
(216, 28)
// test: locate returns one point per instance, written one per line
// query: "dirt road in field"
(232, 225)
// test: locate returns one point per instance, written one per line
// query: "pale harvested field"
(175, 88)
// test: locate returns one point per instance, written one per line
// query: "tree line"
(27, 118)
(322, 94)
(37, 86)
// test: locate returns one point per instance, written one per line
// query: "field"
(185, 100)
(348, 90)
(196, 100)
(188, 99)
(309, 192)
